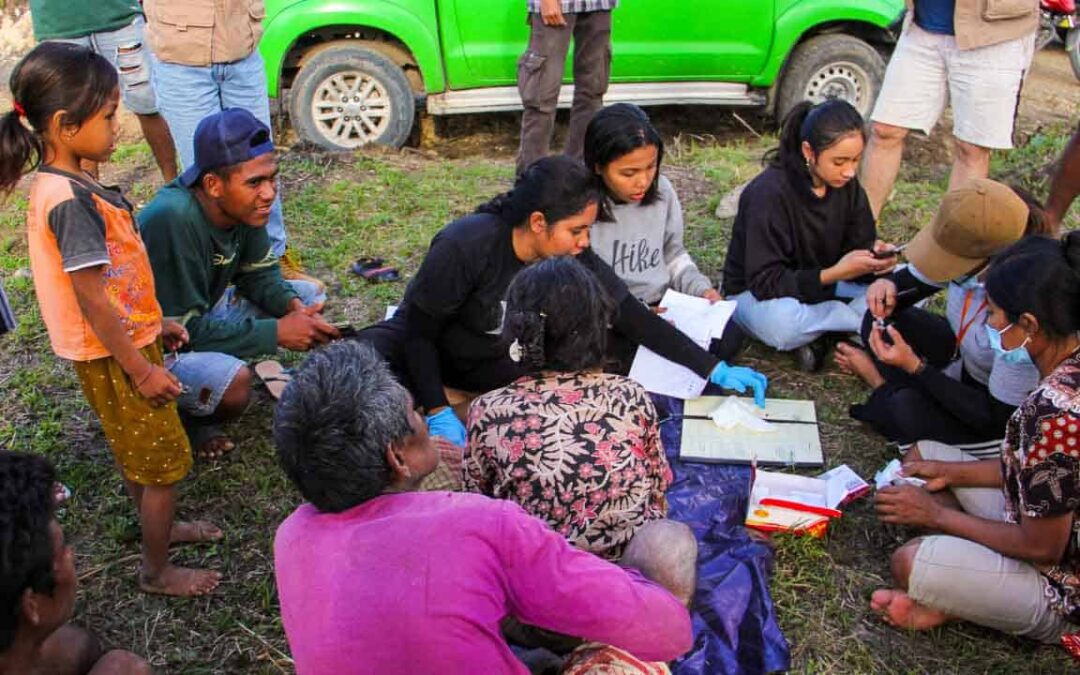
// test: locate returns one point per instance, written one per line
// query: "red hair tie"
(19, 110)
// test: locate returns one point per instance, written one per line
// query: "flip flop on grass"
(373, 270)
(274, 376)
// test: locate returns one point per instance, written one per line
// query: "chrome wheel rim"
(350, 109)
(843, 80)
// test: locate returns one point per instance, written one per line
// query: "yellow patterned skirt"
(148, 443)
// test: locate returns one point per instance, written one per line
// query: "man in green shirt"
(114, 29)
(214, 272)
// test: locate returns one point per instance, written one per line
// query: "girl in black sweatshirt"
(804, 243)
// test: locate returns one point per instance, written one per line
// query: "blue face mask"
(1018, 355)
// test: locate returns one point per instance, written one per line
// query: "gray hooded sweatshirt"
(644, 245)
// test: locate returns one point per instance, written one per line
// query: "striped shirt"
(578, 6)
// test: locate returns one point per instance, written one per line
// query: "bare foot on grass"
(856, 361)
(180, 581)
(194, 532)
(897, 609)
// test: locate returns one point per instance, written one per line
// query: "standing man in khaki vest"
(970, 53)
(205, 59)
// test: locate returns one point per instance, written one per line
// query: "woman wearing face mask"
(1008, 555)
(446, 331)
(804, 243)
(935, 377)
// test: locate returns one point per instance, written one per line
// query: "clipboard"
(795, 442)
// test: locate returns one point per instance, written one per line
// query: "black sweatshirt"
(453, 311)
(784, 235)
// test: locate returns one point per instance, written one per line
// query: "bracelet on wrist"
(920, 367)
(146, 377)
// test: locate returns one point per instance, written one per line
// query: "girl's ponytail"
(789, 152)
(20, 150)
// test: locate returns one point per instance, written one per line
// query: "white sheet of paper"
(701, 321)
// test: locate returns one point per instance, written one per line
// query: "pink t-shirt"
(418, 582)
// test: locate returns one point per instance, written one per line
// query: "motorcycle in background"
(1057, 21)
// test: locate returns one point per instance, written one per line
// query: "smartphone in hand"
(888, 252)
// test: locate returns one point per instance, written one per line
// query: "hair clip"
(19, 110)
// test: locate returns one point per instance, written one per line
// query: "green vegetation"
(339, 208)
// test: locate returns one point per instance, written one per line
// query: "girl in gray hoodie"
(643, 241)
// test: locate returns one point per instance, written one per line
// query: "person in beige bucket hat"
(935, 377)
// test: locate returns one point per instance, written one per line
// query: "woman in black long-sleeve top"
(447, 329)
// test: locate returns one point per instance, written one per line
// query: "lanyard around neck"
(965, 325)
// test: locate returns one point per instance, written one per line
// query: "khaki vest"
(979, 23)
(203, 32)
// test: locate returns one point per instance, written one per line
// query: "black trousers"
(902, 409)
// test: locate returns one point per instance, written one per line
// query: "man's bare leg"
(881, 163)
(158, 575)
(969, 161)
(1066, 182)
(156, 132)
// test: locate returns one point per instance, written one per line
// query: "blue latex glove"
(446, 424)
(738, 378)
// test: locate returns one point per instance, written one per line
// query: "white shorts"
(928, 70)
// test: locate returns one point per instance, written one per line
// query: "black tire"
(831, 66)
(1072, 46)
(384, 116)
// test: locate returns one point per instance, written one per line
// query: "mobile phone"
(889, 252)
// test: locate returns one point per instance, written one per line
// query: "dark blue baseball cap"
(225, 138)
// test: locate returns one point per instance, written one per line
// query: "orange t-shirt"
(73, 223)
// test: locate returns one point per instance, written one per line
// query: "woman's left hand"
(907, 505)
(712, 295)
(173, 335)
(899, 354)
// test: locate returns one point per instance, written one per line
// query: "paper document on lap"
(792, 439)
(701, 321)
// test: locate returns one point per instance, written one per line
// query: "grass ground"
(342, 207)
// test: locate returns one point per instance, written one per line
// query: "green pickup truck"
(352, 72)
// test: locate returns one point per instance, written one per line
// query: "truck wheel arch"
(376, 40)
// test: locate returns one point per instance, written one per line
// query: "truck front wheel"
(348, 96)
(831, 66)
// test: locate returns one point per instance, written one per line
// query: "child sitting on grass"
(96, 291)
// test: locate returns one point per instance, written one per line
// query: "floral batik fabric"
(579, 450)
(1041, 466)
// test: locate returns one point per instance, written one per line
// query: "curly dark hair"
(558, 313)
(26, 548)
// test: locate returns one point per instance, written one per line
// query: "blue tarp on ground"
(735, 627)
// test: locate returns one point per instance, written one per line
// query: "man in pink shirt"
(375, 577)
